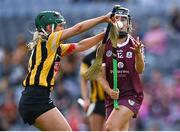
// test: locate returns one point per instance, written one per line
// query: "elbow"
(78, 28)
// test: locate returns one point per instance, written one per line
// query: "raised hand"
(137, 46)
(107, 18)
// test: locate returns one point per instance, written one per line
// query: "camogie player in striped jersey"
(35, 105)
(130, 63)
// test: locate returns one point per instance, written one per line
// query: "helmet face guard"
(123, 13)
(48, 17)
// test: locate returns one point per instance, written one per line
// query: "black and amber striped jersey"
(42, 59)
(96, 90)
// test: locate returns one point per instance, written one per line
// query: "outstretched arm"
(89, 42)
(85, 44)
(83, 26)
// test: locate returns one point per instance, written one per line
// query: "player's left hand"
(137, 45)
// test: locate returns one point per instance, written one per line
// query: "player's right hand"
(107, 18)
(114, 94)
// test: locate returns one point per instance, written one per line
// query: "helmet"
(45, 18)
(123, 12)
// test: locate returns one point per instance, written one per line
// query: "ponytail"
(34, 41)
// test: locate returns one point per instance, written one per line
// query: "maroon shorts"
(129, 103)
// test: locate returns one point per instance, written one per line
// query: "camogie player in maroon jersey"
(130, 63)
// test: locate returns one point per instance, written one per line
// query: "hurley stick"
(116, 106)
(113, 38)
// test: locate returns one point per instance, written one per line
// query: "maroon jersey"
(128, 79)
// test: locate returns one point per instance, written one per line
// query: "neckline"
(124, 43)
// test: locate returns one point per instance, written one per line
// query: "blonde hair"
(39, 35)
(36, 36)
(34, 41)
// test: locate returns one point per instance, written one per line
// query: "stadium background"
(157, 22)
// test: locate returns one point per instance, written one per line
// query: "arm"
(102, 80)
(88, 43)
(81, 46)
(84, 88)
(139, 63)
(83, 26)
(139, 57)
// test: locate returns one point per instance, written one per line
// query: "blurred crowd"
(159, 31)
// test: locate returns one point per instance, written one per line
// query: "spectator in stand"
(155, 38)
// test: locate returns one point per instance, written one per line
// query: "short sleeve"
(67, 48)
(54, 39)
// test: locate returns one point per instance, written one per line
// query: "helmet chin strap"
(44, 31)
(46, 34)
(52, 27)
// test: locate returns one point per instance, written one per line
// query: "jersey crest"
(108, 53)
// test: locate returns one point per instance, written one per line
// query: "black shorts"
(99, 108)
(34, 101)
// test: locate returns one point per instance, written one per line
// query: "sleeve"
(67, 48)
(54, 39)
